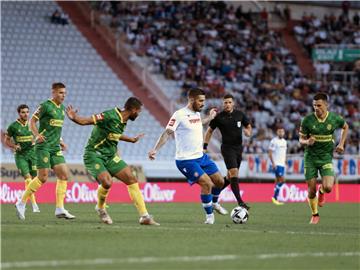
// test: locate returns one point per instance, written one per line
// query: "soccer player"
(48, 151)
(316, 133)
(230, 122)
(101, 158)
(191, 161)
(277, 156)
(20, 139)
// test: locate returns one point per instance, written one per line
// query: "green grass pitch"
(275, 237)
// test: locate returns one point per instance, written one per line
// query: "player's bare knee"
(132, 180)
(106, 182)
(327, 188)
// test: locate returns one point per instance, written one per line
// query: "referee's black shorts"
(232, 156)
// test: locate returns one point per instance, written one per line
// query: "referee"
(230, 123)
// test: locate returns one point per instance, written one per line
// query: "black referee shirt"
(230, 126)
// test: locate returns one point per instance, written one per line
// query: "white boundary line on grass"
(137, 260)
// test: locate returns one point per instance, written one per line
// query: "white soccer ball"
(239, 215)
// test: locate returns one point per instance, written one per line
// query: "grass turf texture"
(274, 238)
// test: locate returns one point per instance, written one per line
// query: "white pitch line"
(139, 260)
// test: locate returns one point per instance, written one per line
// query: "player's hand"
(339, 149)
(17, 147)
(63, 146)
(152, 154)
(311, 140)
(71, 112)
(273, 166)
(40, 138)
(138, 137)
(212, 113)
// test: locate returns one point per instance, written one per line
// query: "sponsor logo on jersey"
(97, 166)
(329, 126)
(172, 122)
(239, 124)
(194, 121)
(114, 136)
(24, 138)
(46, 159)
(99, 116)
(56, 122)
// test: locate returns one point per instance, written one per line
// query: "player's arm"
(164, 137)
(10, 143)
(270, 153)
(131, 139)
(304, 137)
(210, 117)
(207, 138)
(39, 137)
(343, 134)
(248, 130)
(80, 120)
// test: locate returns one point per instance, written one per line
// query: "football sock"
(226, 182)
(32, 187)
(137, 198)
(277, 189)
(32, 197)
(102, 194)
(206, 200)
(234, 181)
(61, 186)
(215, 194)
(313, 203)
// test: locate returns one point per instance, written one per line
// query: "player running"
(48, 151)
(231, 123)
(277, 156)
(20, 139)
(191, 161)
(316, 133)
(103, 162)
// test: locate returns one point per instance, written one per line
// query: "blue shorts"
(193, 169)
(279, 171)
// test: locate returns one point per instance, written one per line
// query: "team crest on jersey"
(97, 166)
(238, 124)
(196, 174)
(46, 159)
(329, 127)
(172, 122)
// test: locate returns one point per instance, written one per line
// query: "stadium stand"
(36, 53)
(224, 49)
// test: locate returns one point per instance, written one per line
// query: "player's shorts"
(26, 163)
(193, 169)
(279, 171)
(311, 169)
(232, 156)
(96, 164)
(48, 157)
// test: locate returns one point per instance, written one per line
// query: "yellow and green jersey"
(323, 132)
(51, 117)
(22, 136)
(106, 133)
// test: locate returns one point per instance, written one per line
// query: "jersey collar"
(322, 121)
(24, 125)
(58, 106)
(120, 116)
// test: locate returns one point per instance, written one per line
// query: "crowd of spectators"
(330, 30)
(224, 49)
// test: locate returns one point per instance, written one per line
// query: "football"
(239, 215)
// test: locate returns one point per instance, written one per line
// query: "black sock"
(226, 182)
(234, 181)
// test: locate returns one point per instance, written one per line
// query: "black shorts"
(232, 156)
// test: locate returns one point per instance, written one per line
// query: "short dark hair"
(194, 92)
(133, 103)
(321, 96)
(57, 85)
(228, 96)
(22, 106)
